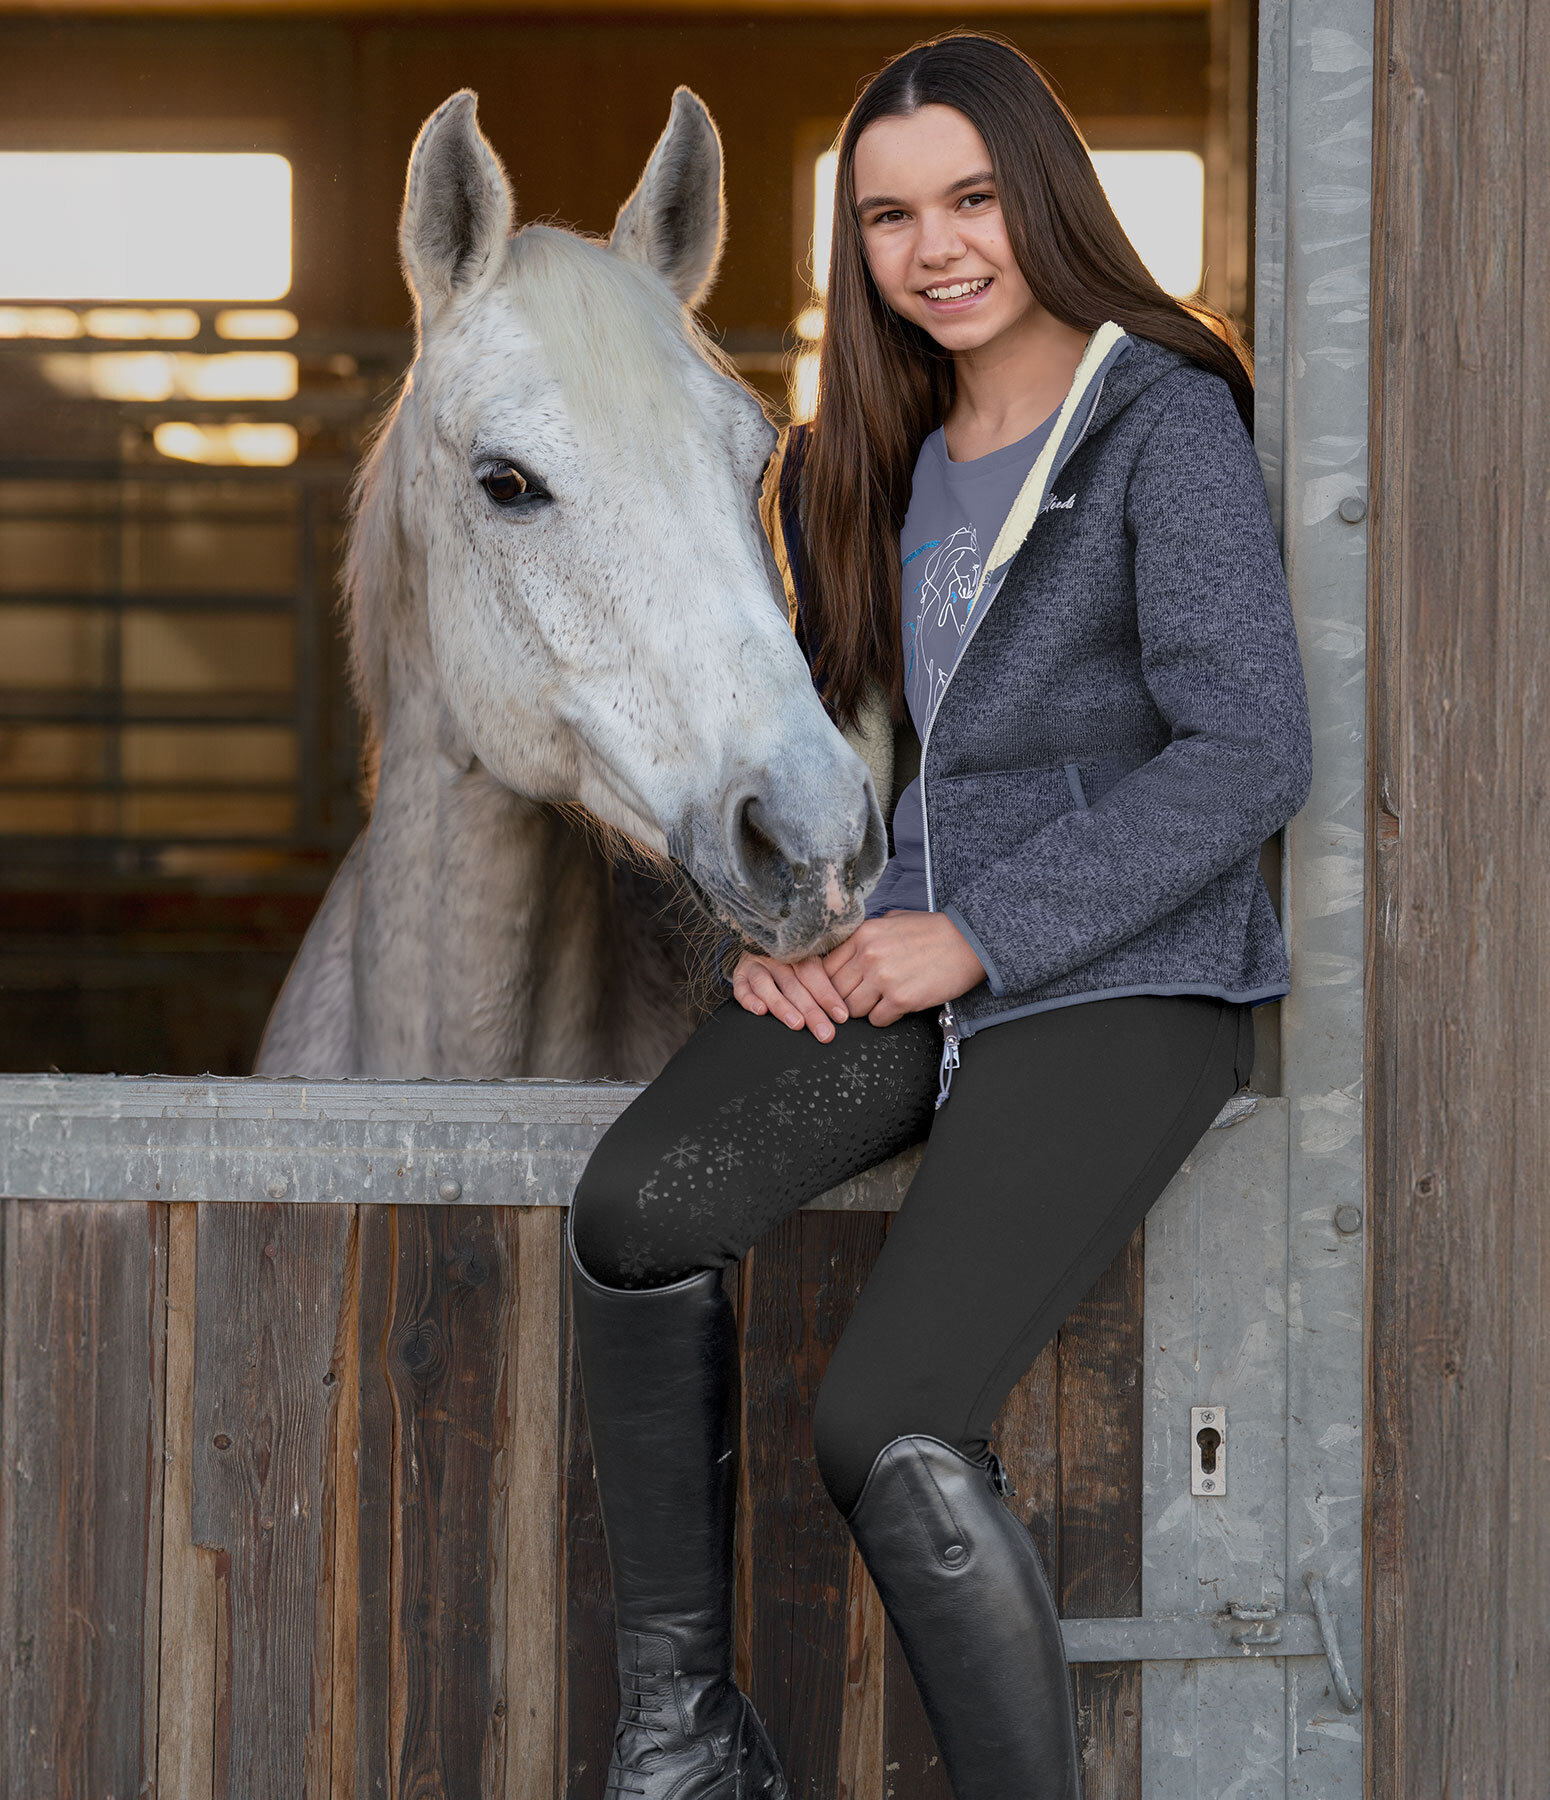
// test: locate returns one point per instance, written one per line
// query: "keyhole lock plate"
(1208, 1451)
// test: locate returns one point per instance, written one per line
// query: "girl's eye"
(976, 199)
(507, 485)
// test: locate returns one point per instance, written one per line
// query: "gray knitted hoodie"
(1127, 720)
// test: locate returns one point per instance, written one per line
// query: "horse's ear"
(457, 207)
(676, 218)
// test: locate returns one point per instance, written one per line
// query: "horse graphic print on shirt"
(936, 622)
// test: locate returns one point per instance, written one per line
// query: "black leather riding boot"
(656, 1369)
(967, 1594)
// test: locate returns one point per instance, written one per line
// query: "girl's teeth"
(957, 291)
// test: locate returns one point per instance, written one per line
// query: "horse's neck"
(490, 940)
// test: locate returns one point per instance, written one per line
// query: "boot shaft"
(966, 1592)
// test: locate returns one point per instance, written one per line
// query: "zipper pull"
(949, 1053)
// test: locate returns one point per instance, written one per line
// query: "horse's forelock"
(612, 331)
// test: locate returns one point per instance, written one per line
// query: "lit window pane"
(272, 322)
(136, 225)
(804, 387)
(823, 217)
(258, 446)
(164, 374)
(1159, 198)
(39, 321)
(141, 322)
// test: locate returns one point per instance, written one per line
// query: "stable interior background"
(179, 762)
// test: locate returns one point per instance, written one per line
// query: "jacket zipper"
(944, 1076)
(952, 1037)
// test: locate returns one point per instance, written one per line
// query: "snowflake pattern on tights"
(751, 1159)
(682, 1154)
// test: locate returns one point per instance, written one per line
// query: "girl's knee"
(600, 1222)
(848, 1433)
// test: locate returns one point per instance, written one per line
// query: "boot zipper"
(999, 1479)
(949, 1052)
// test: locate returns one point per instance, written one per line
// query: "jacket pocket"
(973, 819)
(1092, 776)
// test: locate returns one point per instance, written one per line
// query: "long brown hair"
(884, 383)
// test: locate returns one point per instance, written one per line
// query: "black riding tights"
(1060, 1131)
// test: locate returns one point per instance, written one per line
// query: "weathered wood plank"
(448, 1329)
(155, 1490)
(1026, 1437)
(1101, 1348)
(591, 1673)
(806, 1276)
(185, 1768)
(269, 1300)
(345, 1466)
(377, 1284)
(860, 1771)
(81, 1402)
(1458, 945)
(318, 1754)
(534, 1584)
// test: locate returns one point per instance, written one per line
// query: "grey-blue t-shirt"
(956, 509)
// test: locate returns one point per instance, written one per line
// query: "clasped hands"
(889, 966)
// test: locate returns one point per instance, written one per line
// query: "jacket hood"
(1114, 369)
(1140, 363)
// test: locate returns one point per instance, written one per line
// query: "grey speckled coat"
(1128, 719)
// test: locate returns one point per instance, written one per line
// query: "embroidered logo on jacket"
(1054, 505)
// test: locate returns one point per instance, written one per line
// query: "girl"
(1029, 513)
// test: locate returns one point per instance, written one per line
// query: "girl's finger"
(864, 996)
(772, 989)
(743, 988)
(810, 1013)
(845, 982)
(763, 995)
(818, 984)
(839, 956)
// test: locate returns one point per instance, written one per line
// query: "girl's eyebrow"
(980, 178)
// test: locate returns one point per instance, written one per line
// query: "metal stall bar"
(1254, 1287)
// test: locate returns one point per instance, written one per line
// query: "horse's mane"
(578, 295)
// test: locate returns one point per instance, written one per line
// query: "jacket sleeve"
(1220, 658)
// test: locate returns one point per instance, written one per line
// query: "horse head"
(570, 483)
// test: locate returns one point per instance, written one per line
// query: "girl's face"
(931, 222)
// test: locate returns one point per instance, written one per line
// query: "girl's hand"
(900, 963)
(798, 994)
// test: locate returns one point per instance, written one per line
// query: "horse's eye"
(505, 485)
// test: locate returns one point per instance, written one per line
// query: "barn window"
(170, 693)
(1159, 198)
(144, 225)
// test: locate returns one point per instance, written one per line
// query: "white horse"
(564, 615)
